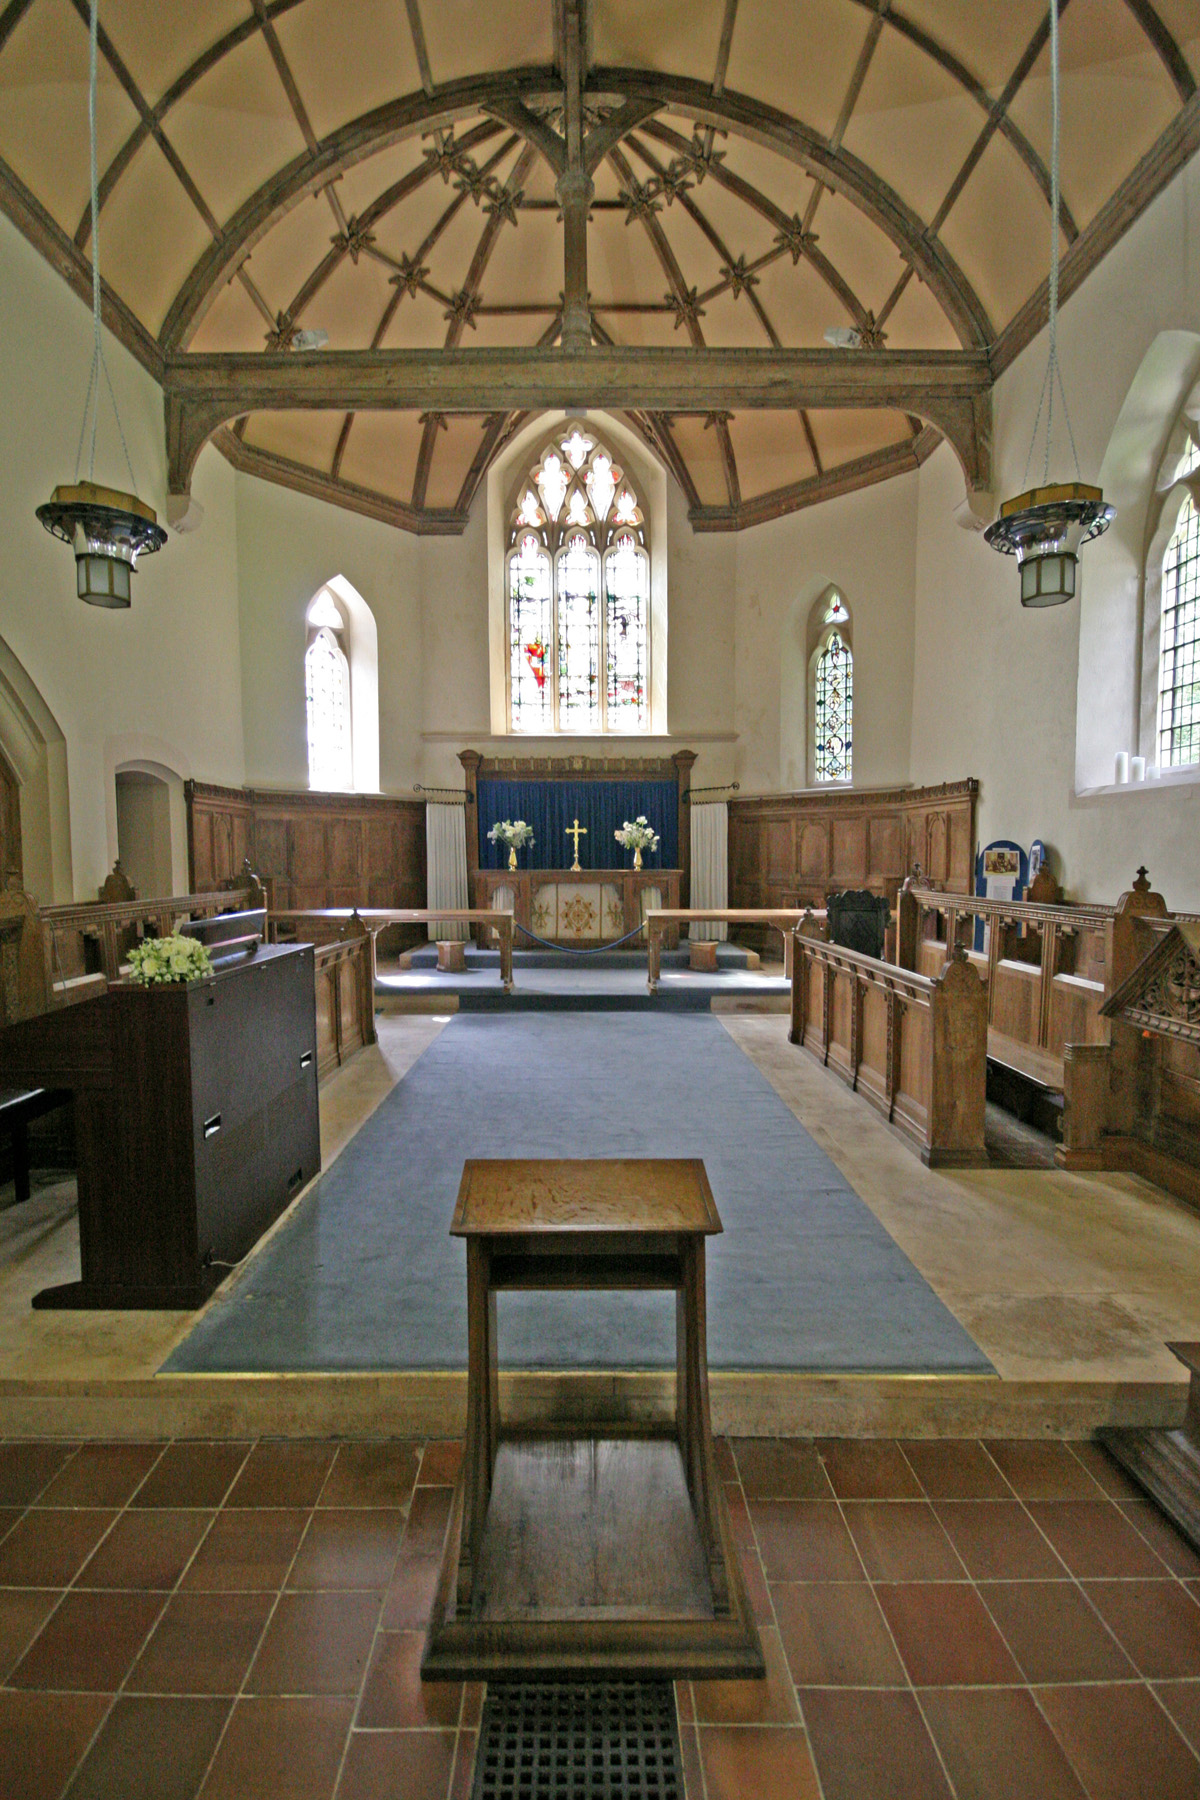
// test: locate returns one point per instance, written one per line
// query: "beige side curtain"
(446, 861)
(710, 865)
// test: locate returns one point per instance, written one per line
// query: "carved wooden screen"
(11, 867)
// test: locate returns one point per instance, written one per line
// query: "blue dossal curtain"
(602, 806)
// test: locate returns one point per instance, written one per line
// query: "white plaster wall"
(287, 547)
(865, 545)
(168, 668)
(995, 685)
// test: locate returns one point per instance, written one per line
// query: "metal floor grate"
(611, 1740)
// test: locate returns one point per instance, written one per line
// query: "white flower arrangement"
(513, 832)
(174, 958)
(636, 834)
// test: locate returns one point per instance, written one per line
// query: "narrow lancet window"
(327, 695)
(1179, 657)
(833, 698)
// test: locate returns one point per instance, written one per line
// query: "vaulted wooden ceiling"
(398, 173)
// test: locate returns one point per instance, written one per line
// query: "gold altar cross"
(576, 831)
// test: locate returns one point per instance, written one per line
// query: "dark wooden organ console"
(196, 1121)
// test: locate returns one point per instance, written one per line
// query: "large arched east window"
(1178, 739)
(578, 584)
(833, 695)
(327, 699)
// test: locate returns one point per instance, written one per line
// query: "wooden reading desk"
(600, 1553)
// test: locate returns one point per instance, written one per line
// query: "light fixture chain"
(1053, 371)
(91, 405)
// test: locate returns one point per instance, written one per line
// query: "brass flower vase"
(512, 856)
(637, 857)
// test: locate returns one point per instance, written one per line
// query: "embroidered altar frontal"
(586, 910)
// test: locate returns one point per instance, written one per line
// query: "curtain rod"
(455, 793)
(722, 787)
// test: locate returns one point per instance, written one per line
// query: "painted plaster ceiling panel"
(913, 123)
(699, 261)
(417, 324)
(304, 437)
(1182, 20)
(644, 329)
(842, 436)
(999, 231)
(158, 43)
(798, 55)
(347, 60)
(147, 268)
(798, 303)
(917, 322)
(351, 303)
(365, 182)
(233, 322)
(778, 177)
(521, 329)
(622, 262)
(526, 264)
(462, 36)
(771, 451)
(282, 261)
(863, 255)
(44, 109)
(742, 227)
(733, 324)
(1127, 84)
(989, 40)
(235, 128)
(701, 451)
(682, 36)
(381, 452)
(456, 449)
(407, 228)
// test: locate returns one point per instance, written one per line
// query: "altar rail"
(914, 1047)
(664, 922)
(334, 923)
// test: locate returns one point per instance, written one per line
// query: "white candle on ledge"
(1122, 766)
(1137, 768)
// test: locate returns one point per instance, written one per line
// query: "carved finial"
(959, 952)
(1141, 883)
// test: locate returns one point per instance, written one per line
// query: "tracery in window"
(327, 697)
(1179, 655)
(578, 595)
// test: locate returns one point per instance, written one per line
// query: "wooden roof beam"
(947, 388)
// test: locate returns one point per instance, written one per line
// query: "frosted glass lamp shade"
(108, 531)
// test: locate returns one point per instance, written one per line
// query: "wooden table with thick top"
(603, 1552)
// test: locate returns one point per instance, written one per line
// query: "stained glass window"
(627, 589)
(531, 636)
(1179, 657)
(578, 595)
(327, 695)
(833, 710)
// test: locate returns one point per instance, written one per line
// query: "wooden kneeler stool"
(601, 1552)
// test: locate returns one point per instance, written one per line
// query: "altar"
(585, 908)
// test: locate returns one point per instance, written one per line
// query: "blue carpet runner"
(364, 1275)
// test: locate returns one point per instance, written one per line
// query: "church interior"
(627, 724)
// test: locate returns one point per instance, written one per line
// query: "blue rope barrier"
(573, 949)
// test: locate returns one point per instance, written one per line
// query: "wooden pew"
(1044, 965)
(914, 1046)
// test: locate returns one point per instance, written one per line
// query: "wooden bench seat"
(18, 1107)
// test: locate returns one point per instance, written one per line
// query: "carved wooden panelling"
(317, 850)
(814, 852)
(937, 849)
(861, 838)
(10, 828)
(850, 848)
(887, 848)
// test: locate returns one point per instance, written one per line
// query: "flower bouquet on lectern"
(637, 835)
(513, 832)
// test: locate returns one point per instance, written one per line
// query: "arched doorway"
(144, 831)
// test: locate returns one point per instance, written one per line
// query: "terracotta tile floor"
(956, 1620)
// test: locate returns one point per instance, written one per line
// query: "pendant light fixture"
(1045, 527)
(107, 528)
